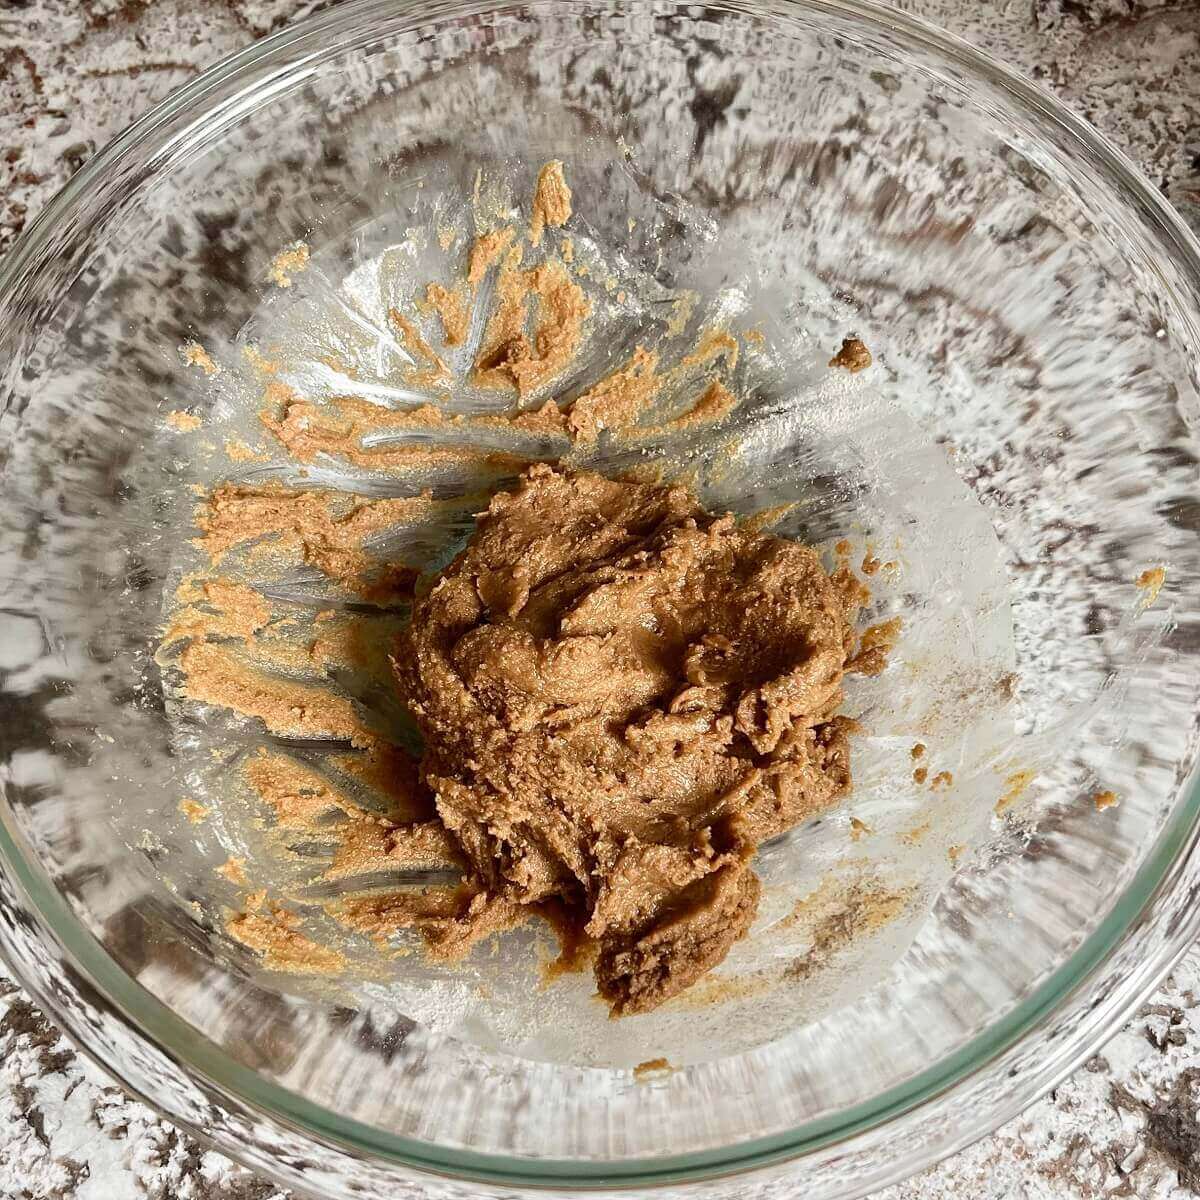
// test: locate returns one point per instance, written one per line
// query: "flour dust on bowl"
(266, 290)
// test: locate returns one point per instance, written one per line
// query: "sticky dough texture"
(621, 697)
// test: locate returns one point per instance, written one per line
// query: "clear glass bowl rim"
(1154, 911)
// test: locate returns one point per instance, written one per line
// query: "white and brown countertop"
(73, 73)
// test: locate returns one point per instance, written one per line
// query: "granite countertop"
(73, 73)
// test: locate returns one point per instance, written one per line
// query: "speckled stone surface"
(73, 73)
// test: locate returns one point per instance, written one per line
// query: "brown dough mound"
(621, 697)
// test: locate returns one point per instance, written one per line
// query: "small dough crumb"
(551, 201)
(289, 262)
(193, 810)
(853, 356)
(1150, 583)
(1103, 800)
(185, 422)
(652, 1068)
(195, 355)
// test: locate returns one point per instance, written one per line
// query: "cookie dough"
(621, 697)
(853, 356)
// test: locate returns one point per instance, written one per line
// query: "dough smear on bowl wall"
(607, 701)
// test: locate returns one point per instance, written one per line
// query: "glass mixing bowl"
(1026, 442)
